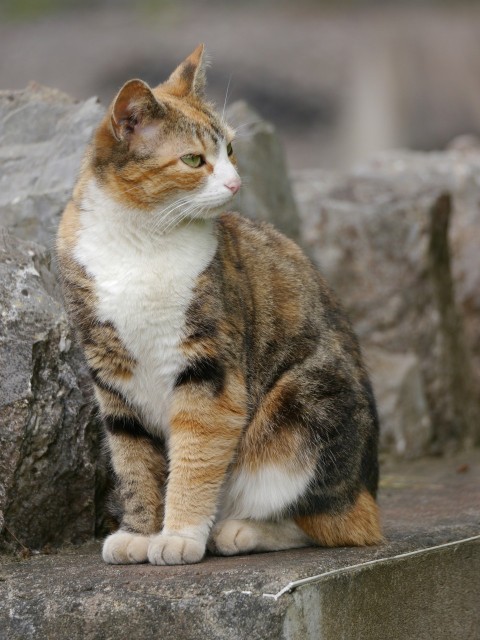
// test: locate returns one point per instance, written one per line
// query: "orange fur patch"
(204, 436)
(111, 404)
(268, 442)
(141, 472)
(358, 526)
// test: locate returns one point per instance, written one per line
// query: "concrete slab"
(423, 582)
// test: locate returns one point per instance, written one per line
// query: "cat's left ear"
(189, 77)
(134, 107)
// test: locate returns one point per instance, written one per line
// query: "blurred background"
(340, 79)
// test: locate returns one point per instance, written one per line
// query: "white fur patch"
(144, 282)
(262, 494)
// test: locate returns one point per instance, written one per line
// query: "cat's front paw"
(123, 547)
(174, 549)
(231, 537)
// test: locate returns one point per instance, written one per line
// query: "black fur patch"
(97, 379)
(203, 370)
(126, 425)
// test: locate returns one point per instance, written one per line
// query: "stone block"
(421, 583)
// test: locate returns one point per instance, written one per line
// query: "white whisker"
(226, 98)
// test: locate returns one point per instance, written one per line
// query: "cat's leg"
(231, 537)
(140, 469)
(138, 466)
(205, 428)
(310, 468)
(357, 525)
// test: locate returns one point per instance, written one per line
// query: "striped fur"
(236, 405)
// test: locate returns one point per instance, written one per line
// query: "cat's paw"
(174, 549)
(231, 537)
(123, 547)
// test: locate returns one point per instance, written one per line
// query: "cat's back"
(269, 268)
(287, 289)
(260, 245)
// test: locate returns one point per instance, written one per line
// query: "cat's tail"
(358, 525)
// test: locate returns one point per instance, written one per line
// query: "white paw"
(233, 536)
(172, 549)
(125, 548)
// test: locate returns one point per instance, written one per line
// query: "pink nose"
(234, 185)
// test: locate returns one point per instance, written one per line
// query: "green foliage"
(31, 9)
(24, 10)
(18, 10)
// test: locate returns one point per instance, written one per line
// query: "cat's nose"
(234, 185)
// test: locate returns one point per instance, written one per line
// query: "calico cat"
(238, 412)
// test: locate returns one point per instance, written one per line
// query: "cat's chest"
(145, 294)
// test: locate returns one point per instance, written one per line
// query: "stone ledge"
(422, 583)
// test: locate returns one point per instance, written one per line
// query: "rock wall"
(397, 238)
(49, 441)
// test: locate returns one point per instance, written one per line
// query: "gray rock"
(382, 235)
(48, 437)
(267, 193)
(43, 135)
(458, 172)
(402, 405)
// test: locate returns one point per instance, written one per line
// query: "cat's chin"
(214, 212)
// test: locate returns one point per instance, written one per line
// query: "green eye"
(193, 160)
(229, 149)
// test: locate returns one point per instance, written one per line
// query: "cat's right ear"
(134, 107)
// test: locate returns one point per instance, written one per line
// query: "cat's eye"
(193, 160)
(229, 149)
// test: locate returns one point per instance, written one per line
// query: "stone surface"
(421, 583)
(266, 193)
(416, 597)
(458, 172)
(402, 405)
(392, 238)
(43, 134)
(48, 440)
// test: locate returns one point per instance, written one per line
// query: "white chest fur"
(144, 283)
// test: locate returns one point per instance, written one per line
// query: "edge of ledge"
(291, 586)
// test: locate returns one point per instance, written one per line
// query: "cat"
(238, 413)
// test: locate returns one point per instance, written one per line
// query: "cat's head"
(165, 150)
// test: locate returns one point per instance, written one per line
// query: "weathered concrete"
(403, 589)
(429, 595)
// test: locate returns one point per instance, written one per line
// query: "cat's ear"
(189, 77)
(134, 107)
